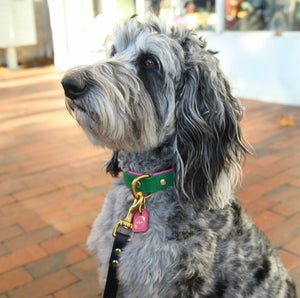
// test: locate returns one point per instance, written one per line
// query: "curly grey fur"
(178, 112)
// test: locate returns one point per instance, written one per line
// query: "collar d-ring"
(136, 182)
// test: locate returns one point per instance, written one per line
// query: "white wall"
(260, 65)
(77, 37)
(68, 27)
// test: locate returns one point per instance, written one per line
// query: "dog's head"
(127, 102)
(162, 84)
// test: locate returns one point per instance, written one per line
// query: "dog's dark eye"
(149, 62)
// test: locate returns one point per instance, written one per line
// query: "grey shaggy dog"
(161, 101)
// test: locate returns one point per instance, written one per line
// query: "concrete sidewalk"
(52, 185)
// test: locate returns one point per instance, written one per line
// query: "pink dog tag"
(140, 221)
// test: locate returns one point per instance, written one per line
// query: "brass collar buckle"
(138, 203)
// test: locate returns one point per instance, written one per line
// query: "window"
(249, 15)
(276, 15)
(199, 14)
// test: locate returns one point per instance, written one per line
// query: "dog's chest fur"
(153, 259)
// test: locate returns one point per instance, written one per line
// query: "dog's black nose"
(74, 87)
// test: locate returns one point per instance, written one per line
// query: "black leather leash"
(111, 286)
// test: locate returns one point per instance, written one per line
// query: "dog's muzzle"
(74, 87)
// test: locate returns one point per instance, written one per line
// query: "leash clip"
(139, 201)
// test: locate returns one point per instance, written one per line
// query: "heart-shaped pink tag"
(140, 221)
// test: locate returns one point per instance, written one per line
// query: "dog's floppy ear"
(209, 141)
(112, 165)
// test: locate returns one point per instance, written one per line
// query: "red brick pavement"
(52, 185)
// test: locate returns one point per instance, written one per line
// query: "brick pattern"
(52, 186)
(270, 189)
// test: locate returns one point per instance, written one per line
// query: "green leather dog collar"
(156, 182)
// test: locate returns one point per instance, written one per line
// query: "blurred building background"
(258, 40)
